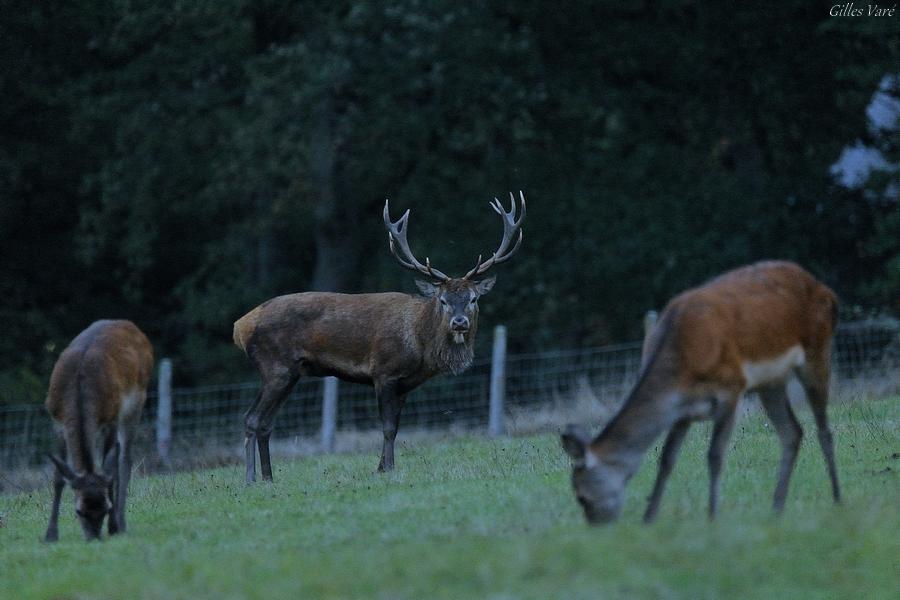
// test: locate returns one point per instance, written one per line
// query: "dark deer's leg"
(815, 383)
(275, 390)
(123, 477)
(724, 423)
(110, 470)
(58, 484)
(777, 406)
(666, 462)
(390, 404)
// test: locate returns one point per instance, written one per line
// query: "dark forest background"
(176, 163)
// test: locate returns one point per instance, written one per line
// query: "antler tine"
(397, 237)
(511, 226)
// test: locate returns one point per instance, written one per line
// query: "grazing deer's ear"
(111, 460)
(485, 285)
(63, 469)
(428, 289)
(575, 440)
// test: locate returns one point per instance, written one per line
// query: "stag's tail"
(244, 328)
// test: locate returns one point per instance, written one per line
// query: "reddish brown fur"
(105, 364)
(770, 319)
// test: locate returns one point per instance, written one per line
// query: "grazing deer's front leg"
(724, 423)
(123, 476)
(52, 534)
(666, 462)
(111, 470)
(390, 404)
(778, 408)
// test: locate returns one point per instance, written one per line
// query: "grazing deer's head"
(92, 502)
(599, 488)
(457, 296)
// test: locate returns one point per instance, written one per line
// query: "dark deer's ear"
(111, 460)
(428, 289)
(575, 440)
(485, 285)
(63, 469)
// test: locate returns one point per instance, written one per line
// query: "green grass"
(487, 518)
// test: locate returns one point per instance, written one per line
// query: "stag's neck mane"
(442, 353)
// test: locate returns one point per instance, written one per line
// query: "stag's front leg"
(52, 534)
(390, 404)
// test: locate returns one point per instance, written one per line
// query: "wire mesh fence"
(866, 360)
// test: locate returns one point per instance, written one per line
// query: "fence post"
(164, 412)
(498, 382)
(649, 322)
(329, 413)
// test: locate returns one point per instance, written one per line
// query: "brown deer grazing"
(749, 329)
(391, 341)
(96, 395)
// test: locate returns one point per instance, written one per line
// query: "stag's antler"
(397, 237)
(510, 227)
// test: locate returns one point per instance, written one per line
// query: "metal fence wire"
(865, 354)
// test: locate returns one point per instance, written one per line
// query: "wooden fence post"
(164, 412)
(329, 413)
(498, 382)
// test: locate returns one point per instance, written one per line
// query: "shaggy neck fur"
(446, 355)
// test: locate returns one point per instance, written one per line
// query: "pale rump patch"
(773, 370)
(131, 402)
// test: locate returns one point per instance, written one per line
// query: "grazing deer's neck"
(650, 409)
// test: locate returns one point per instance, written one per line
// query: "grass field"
(481, 518)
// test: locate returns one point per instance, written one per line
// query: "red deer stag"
(749, 329)
(96, 395)
(391, 341)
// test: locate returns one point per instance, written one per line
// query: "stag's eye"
(443, 302)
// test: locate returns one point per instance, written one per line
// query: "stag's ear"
(111, 460)
(575, 440)
(63, 469)
(485, 285)
(428, 289)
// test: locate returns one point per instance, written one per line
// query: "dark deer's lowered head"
(392, 341)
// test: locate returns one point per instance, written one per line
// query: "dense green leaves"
(178, 162)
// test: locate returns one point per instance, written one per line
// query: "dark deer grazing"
(749, 329)
(97, 392)
(391, 341)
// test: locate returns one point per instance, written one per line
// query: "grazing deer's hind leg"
(777, 406)
(390, 404)
(58, 484)
(722, 426)
(815, 382)
(666, 462)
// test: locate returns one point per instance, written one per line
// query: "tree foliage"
(178, 162)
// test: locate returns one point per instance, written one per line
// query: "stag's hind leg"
(814, 377)
(775, 402)
(666, 462)
(276, 386)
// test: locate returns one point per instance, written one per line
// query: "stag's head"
(457, 297)
(92, 502)
(599, 487)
